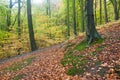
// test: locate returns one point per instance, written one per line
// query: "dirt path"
(11, 60)
(45, 66)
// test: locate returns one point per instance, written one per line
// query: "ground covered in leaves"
(70, 61)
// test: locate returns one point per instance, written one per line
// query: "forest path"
(46, 65)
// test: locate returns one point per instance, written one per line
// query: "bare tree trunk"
(19, 10)
(81, 2)
(74, 18)
(115, 10)
(9, 14)
(68, 31)
(95, 12)
(105, 10)
(48, 8)
(30, 26)
(100, 11)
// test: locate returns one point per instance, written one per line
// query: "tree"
(105, 10)
(74, 18)
(91, 31)
(81, 2)
(68, 31)
(19, 29)
(95, 12)
(30, 26)
(9, 14)
(115, 9)
(100, 11)
(116, 6)
(48, 8)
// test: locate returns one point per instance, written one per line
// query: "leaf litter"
(103, 64)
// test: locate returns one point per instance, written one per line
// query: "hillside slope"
(100, 61)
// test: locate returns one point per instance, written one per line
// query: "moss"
(117, 69)
(100, 48)
(67, 58)
(118, 38)
(92, 53)
(98, 41)
(78, 62)
(81, 46)
(18, 77)
(73, 71)
(20, 65)
(98, 63)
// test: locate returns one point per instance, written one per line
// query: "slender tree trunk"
(48, 8)
(95, 12)
(91, 32)
(19, 28)
(9, 14)
(74, 18)
(19, 10)
(30, 26)
(81, 2)
(118, 8)
(100, 11)
(115, 10)
(105, 10)
(68, 30)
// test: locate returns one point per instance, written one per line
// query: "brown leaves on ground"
(47, 66)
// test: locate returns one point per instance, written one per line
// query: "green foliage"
(20, 65)
(98, 41)
(81, 46)
(3, 17)
(18, 77)
(118, 38)
(100, 48)
(76, 61)
(4, 34)
(74, 71)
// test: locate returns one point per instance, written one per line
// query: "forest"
(59, 40)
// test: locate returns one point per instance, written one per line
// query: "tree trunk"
(91, 31)
(30, 26)
(81, 2)
(105, 10)
(9, 14)
(68, 31)
(48, 8)
(19, 10)
(74, 18)
(115, 10)
(100, 11)
(95, 12)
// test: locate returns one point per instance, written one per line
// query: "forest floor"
(46, 64)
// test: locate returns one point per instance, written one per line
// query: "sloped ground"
(46, 64)
(102, 60)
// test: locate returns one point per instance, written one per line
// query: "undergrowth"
(18, 77)
(18, 66)
(78, 63)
